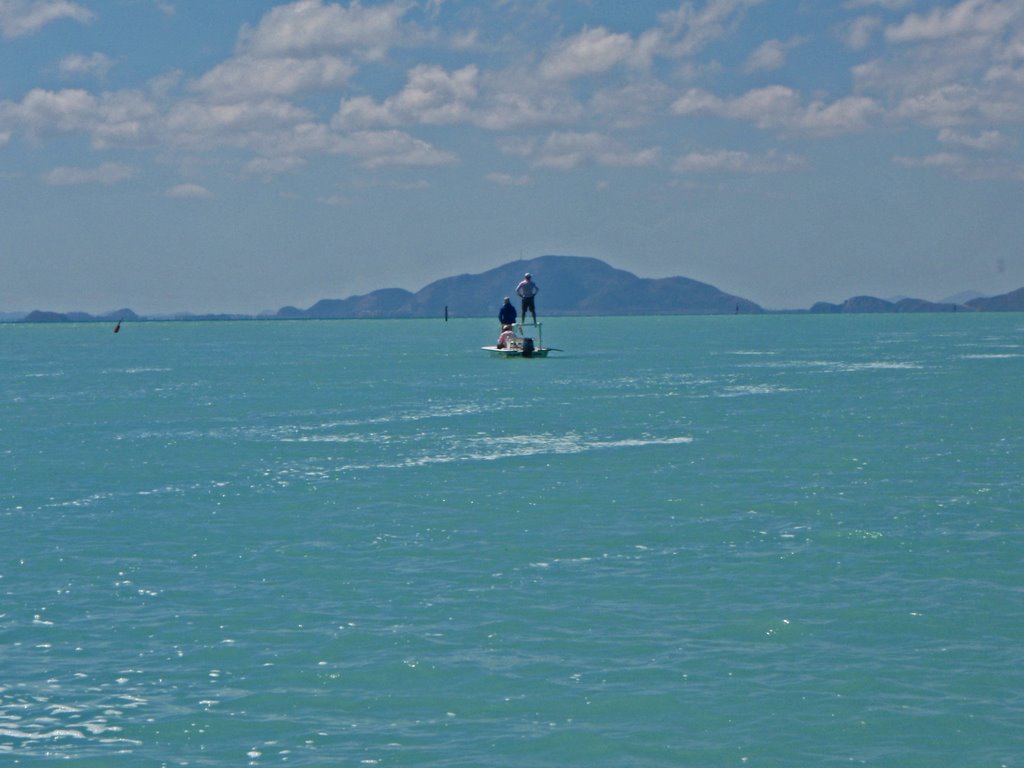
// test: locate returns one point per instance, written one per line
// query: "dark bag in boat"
(527, 347)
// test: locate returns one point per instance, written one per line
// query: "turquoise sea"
(682, 541)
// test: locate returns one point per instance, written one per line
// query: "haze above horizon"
(229, 157)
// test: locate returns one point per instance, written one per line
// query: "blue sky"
(187, 155)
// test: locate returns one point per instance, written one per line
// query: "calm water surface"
(711, 541)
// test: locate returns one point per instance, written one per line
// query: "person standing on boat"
(527, 289)
(507, 313)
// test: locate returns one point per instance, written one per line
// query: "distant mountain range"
(41, 316)
(1007, 302)
(569, 285)
(125, 315)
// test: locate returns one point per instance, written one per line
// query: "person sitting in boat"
(507, 313)
(507, 339)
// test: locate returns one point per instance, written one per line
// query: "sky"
(196, 156)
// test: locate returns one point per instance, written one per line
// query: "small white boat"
(522, 345)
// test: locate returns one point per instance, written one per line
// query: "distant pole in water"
(446, 313)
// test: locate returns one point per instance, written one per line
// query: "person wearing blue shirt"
(507, 313)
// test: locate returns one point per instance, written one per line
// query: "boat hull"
(502, 352)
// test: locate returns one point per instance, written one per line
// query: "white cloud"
(958, 69)
(467, 40)
(779, 107)
(310, 26)
(43, 112)
(901, 71)
(246, 77)
(115, 118)
(689, 29)
(679, 33)
(847, 115)
(770, 55)
(202, 126)
(1006, 71)
(963, 18)
(737, 161)
(245, 101)
(25, 17)
(375, 149)
(188, 191)
(858, 34)
(78, 65)
(987, 141)
(106, 173)
(431, 96)
(513, 100)
(565, 150)
(954, 66)
(591, 52)
(124, 118)
(435, 96)
(631, 106)
(364, 112)
(944, 106)
(965, 167)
